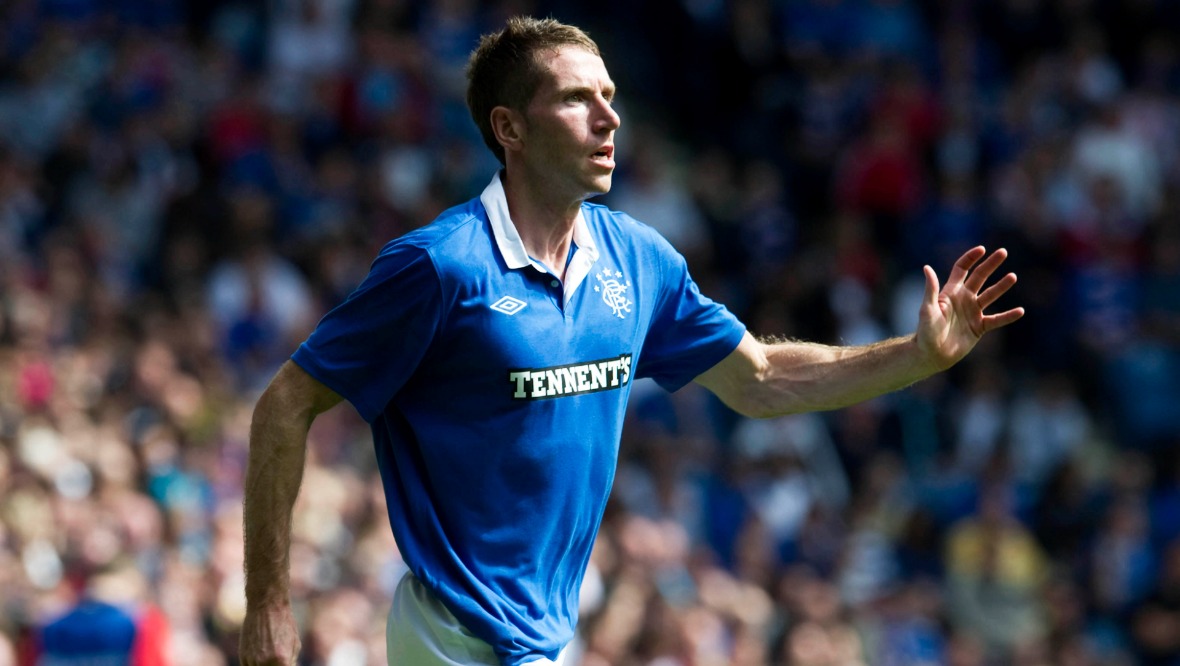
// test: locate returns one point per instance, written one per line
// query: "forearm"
(800, 376)
(278, 439)
(763, 379)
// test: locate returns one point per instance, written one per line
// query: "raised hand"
(952, 320)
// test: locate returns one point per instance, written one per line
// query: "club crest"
(614, 292)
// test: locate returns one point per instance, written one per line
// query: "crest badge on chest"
(614, 291)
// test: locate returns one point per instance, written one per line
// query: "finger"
(964, 264)
(992, 322)
(930, 298)
(982, 272)
(994, 292)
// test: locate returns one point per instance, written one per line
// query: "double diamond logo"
(509, 305)
(614, 293)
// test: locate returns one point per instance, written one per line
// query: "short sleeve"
(368, 346)
(690, 332)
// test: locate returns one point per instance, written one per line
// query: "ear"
(509, 127)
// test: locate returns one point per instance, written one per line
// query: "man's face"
(571, 125)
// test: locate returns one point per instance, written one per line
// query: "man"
(108, 623)
(493, 352)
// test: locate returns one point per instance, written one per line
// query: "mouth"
(604, 156)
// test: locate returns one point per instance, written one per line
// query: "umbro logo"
(509, 305)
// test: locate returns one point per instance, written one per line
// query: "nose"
(608, 119)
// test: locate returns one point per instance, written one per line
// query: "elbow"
(749, 404)
(762, 392)
(768, 393)
(759, 401)
(757, 411)
(749, 383)
(764, 410)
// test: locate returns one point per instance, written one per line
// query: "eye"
(574, 97)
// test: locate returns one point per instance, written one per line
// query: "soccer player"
(493, 351)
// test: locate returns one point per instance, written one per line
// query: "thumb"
(930, 298)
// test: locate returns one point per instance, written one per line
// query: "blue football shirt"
(497, 394)
(92, 632)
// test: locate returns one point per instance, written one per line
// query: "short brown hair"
(504, 69)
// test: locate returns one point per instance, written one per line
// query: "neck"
(544, 221)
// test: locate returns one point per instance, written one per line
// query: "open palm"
(952, 319)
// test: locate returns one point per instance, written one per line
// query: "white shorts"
(422, 632)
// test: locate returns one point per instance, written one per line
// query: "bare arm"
(764, 379)
(278, 446)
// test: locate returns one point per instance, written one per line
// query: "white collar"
(495, 202)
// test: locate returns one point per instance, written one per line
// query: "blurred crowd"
(185, 187)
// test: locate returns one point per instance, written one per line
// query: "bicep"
(734, 378)
(296, 392)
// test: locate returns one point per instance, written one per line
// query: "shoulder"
(452, 225)
(599, 215)
(618, 226)
(451, 237)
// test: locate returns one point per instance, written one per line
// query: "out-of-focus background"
(185, 187)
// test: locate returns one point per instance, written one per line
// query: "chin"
(600, 185)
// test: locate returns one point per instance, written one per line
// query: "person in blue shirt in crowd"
(493, 352)
(110, 623)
